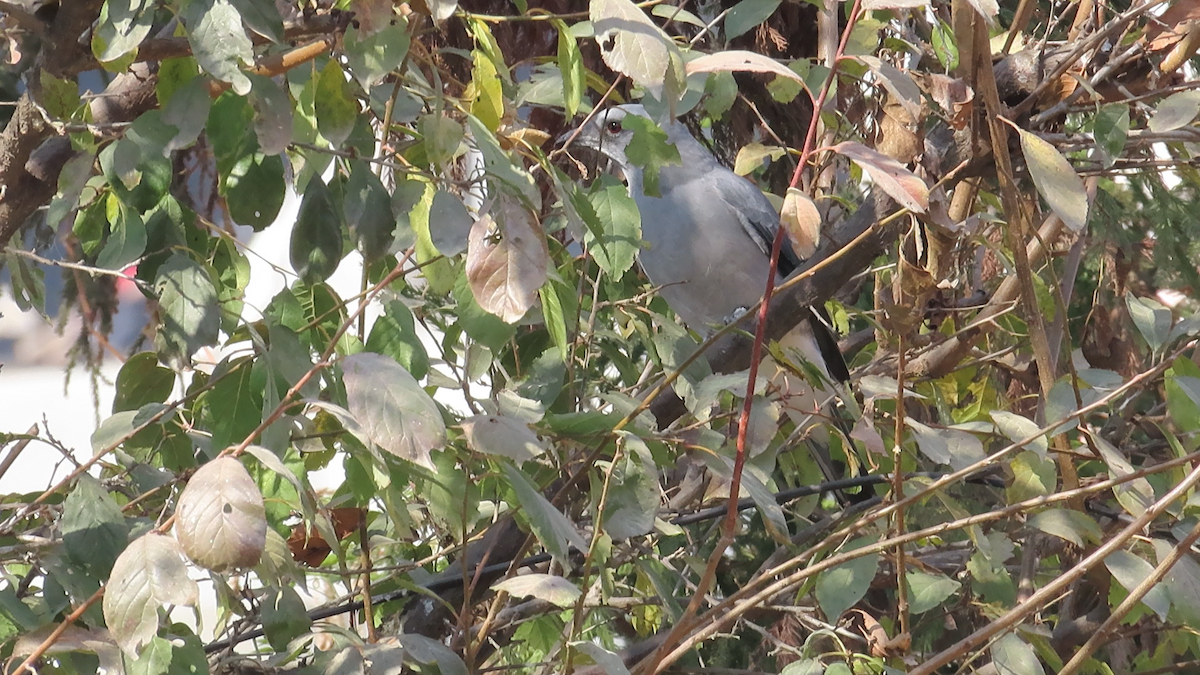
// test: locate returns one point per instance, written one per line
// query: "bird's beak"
(579, 137)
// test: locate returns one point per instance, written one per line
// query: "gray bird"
(708, 244)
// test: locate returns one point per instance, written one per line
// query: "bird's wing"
(757, 217)
(760, 222)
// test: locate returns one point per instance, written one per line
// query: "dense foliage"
(537, 455)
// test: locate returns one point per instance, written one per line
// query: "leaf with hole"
(220, 520)
(507, 259)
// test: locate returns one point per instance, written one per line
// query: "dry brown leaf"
(309, 548)
(891, 176)
(1172, 25)
(742, 62)
(507, 259)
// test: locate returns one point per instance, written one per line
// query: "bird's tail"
(813, 398)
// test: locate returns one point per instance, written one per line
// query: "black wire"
(438, 585)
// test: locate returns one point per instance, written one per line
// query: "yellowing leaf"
(148, 574)
(753, 156)
(220, 520)
(891, 176)
(507, 259)
(1056, 181)
(550, 588)
(802, 223)
(488, 104)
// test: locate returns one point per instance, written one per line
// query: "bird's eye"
(613, 126)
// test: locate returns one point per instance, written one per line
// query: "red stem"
(739, 462)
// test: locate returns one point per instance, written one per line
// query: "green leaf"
(1182, 583)
(944, 46)
(122, 26)
(1135, 496)
(1033, 476)
(169, 657)
(71, 182)
(927, 591)
(235, 403)
(1013, 656)
(316, 245)
(453, 495)
(480, 325)
(502, 436)
(498, 164)
(555, 318)
(570, 64)
(394, 334)
(284, 617)
(1074, 526)
(230, 130)
(393, 409)
(335, 108)
(149, 574)
(549, 525)
(614, 234)
(1183, 395)
(219, 42)
(1130, 571)
(255, 190)
(373, 57)
(1111, 129)
(273, 119)
(746, 15)
(722, 90)
(262, 17)
(427, 650)
(1152, 319)
(1018, 428)
(94, 532)
(368, 211)
(443, 138)
(955, 447)
(650, 150)
(187, 306)
(59, 97)
(632, 44)
(449, 223)
(187, 111)
(840, 588)
(488, 104)
(633, 493)
(28, 283)
(140, 381)
(610, 663)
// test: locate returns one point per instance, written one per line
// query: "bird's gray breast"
(697, 249)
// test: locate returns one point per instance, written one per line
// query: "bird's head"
(606, 133)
